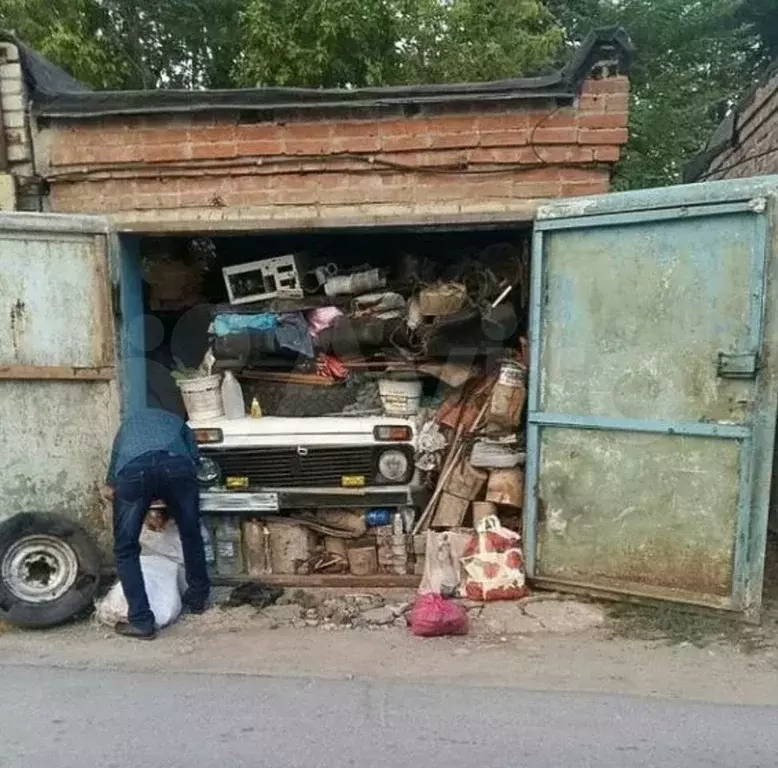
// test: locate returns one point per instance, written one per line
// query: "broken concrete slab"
(566, 617)
(505, 618)
(283, 614)
(379, 616)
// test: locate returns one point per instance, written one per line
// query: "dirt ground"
(622, 655)
(546, 643)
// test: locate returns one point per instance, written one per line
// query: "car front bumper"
(278, 500)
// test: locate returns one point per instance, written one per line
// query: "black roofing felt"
(54, 93)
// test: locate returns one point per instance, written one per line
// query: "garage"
(417, 291)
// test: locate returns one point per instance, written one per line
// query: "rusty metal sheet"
(54, 449)
(54, 300)
(637, 512)
(638, 315)
(653, 394)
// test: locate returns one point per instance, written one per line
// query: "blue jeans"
(171, 478)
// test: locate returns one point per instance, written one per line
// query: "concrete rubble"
(537, 615)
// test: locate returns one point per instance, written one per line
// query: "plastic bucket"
(400, 398)
(202, 397)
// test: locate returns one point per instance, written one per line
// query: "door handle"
(745, 366)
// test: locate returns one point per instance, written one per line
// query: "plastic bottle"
(232, 397)
(256, 410)
(227, 546)
(210, 558)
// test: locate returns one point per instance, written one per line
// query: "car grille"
(285, 467)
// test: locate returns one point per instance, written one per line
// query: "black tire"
(36, 549)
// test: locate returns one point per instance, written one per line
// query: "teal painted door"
(652, 394)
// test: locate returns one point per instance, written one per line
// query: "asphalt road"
(58, 718)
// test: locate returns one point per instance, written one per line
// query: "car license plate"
(236, 483)
(353, 481)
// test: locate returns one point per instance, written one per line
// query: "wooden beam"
(311, 581)
(56, 373)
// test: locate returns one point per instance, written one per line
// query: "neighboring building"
(273, 157)
(746, 142)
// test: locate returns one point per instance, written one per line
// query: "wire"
(738, 163)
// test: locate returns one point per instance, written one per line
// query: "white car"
(274, 464)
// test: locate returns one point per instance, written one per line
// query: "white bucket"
(400, 398)
(202, 397)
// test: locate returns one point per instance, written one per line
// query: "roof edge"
(55, 94)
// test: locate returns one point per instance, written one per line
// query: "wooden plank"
(56, 373)
(339, 580)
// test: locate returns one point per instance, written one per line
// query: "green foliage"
(326, 43)
(339, 43)
(127, 44)
(693, 59)
(475, 40)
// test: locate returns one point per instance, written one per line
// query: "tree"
(693, 58)
(339, 43)
(476, 40)
(128, 44)
(327, 43)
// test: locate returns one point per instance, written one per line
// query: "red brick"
(565, 154)
(513, 138)
(217, 134)
(547, 173)
(493, 188)
(258, 131)
(441, 189)
(257, 197)
(156, 153)
(534, 190)
(449, 140)
(581, 175)
(452, 124)
(250, 182)
(331, 181)
(607, 85)
(260, 147)
(403, 127)
(357, 128)
(405, 142)
(564, 118)
(617, 102)
(501, 155)
(605, 120)
(306, 131)
(413, 160)
(356, 144)
(544, 135)
(606, 136)
(305, 146)
(214, 150)
(596, 102)
(160, 136)
(607, 154)
(587, 188)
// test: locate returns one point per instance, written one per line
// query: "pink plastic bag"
(434, 616)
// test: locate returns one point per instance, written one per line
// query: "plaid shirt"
(148, 431)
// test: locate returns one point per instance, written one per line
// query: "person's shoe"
(125, 629)
(195, 610)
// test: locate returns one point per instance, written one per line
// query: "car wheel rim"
(39, 569)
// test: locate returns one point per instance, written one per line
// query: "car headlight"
(393, 465)
(209, 435)
(208, 472)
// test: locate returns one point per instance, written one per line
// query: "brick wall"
(143, 169)
(755, 149)
(15, 150)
